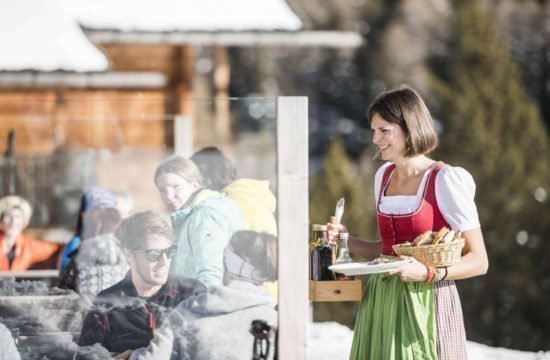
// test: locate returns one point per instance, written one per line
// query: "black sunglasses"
(154, 255)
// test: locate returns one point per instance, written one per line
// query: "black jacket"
(122, 320)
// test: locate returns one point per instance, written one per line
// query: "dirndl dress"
(409, 320)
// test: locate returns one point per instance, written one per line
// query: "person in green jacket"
(203, 220)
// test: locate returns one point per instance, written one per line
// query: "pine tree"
(491, 128)
(339, 178)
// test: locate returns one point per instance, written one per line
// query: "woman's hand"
(339, 227)
(414, 271)
(333, 231)
(123, 355)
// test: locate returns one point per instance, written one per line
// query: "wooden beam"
(109, 80)
(222, 78)
(292, 210)
(331, 39)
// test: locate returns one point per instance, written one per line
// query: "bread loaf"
(450, 236)
(458, 235)
(440, 234)
(423, 239)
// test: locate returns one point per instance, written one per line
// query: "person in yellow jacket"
(256, 201)
(254, 197)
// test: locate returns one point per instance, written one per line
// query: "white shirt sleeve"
(378, 180)
(455, 190)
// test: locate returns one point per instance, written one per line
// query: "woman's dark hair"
(404, 107)
(217, 170)
(99, 221)
(259, 250)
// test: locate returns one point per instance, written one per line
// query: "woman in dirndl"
(414, 312)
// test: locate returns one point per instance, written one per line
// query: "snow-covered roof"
(41, 36)
(185, 15)
(46, 35)
(59, 35)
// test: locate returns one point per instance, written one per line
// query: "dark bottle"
(325, 256)
(318, 236)
(343, 256)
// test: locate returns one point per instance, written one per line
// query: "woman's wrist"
(435, 274)
(431, 274)
(445, 272)
(441, 273)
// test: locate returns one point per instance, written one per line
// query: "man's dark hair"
(133, 231)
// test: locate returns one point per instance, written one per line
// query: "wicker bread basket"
(439, 255)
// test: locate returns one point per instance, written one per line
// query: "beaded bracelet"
(427, 273)
(434, 274)
(430, 275)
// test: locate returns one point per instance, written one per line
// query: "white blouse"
(454, 190)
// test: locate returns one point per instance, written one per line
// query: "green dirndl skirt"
(396, 320)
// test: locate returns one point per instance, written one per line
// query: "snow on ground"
(332, 341)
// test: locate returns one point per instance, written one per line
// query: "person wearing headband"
(126, 315)
(19, 252)
(220, 319)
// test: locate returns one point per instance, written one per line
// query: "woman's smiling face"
(389, 138)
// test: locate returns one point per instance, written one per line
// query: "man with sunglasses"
(126, 315)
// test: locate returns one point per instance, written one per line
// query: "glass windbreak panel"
(141, 219)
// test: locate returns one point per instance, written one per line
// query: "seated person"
(98, 262)
(126, 315)
(93, 200)
(17, 251)
(216, 324)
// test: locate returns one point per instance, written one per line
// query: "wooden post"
(292, 200)
(183, 136)
(222, 77)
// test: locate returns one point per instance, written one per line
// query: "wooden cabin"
(86, 75)
(108, 64)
